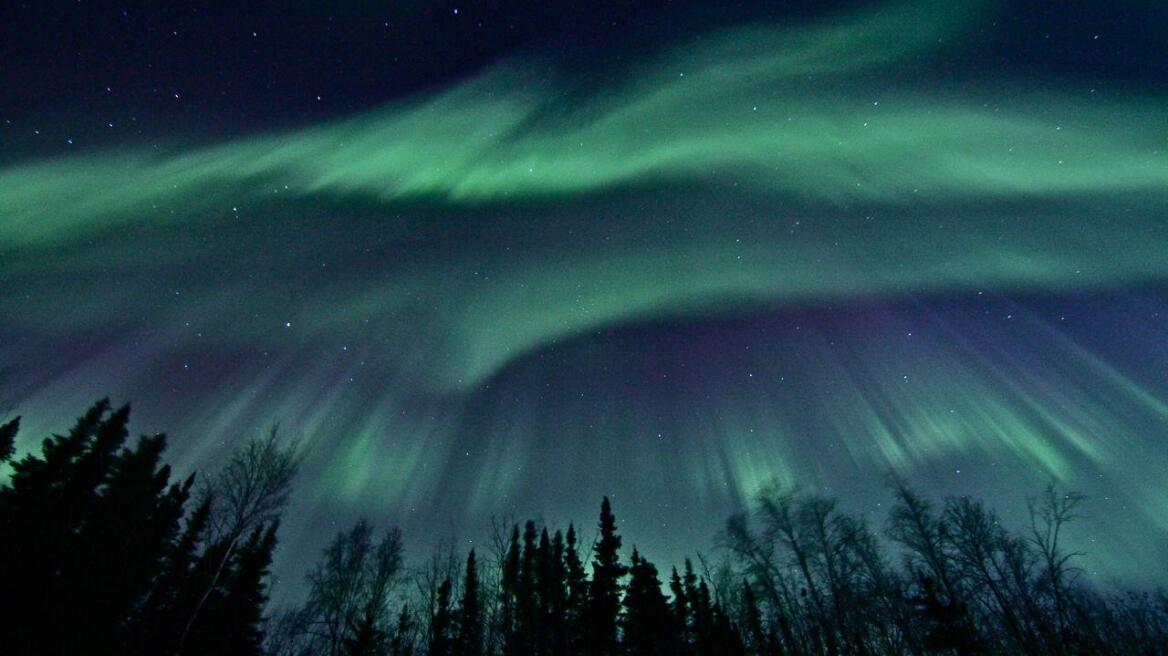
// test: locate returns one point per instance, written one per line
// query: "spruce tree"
(528, 621)
(470, 614)
(87, 523)
(554, 588)
(403, 635)
(543, 636)
(725, 638)
(8, 438)
(576, 611)
(648, 629)
(247, 594)
(205, 589)
(752, 621)
(703, 618)
(367, 639)
(605, 588)
(98, 558)
(440, 623)
(232, 619)
(158, 621)
(945, 627)
(507, 595)
(679, 611)
(40, 512)
(122, 543)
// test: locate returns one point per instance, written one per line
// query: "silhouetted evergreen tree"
(232, 623)
(757, 641)
(470, 614)
(703, 618)
(247, 593)
(544, 591)
(945, 629)
(554, 590)
(8, 439)
(122, 542)
(725, 638)
(86, 524)
(403, 635)
(697, 614)
(249, 492)
(529, 623)
(679, 612)
(367, 639)
(605, 587)
(440, 623)
(101, 557)
(648, 627)
(576, 613)
(157, 625)
(509, 588)
(42, 507)
(98, 554)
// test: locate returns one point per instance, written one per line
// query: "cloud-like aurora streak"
(796, 112)
(415, 289)
(776, 115)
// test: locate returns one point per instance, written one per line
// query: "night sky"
(490, 258)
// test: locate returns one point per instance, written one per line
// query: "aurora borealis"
(817, 245)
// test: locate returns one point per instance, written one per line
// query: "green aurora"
(427, 291)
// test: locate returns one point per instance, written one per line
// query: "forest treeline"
(101, 552)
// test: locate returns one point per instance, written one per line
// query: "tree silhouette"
(8, 438)
(403, 635)
(249, 493)
(529, 623)
(440, 623)
(348, 606)
(605, 587)
(233, 622)
(944, 623)
(648, 630)
(508, 596)
(103, 554)
(679, 612)
(86, 524)
(554, 592)
(757, 640)
(470, 615)
(104, 558)
(576, 613)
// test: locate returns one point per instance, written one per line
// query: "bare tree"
(914, 525)
(248, 493)
(253, 487)
(284, 635)
(762, 563)
(820, 572)
(350, 593)
(443, 566)
(490, 581)
(1048, 515)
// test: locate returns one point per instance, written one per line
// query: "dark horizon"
(104, 552)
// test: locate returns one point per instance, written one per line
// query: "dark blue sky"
(73, 68)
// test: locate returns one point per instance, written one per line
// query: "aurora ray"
(770, 250)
